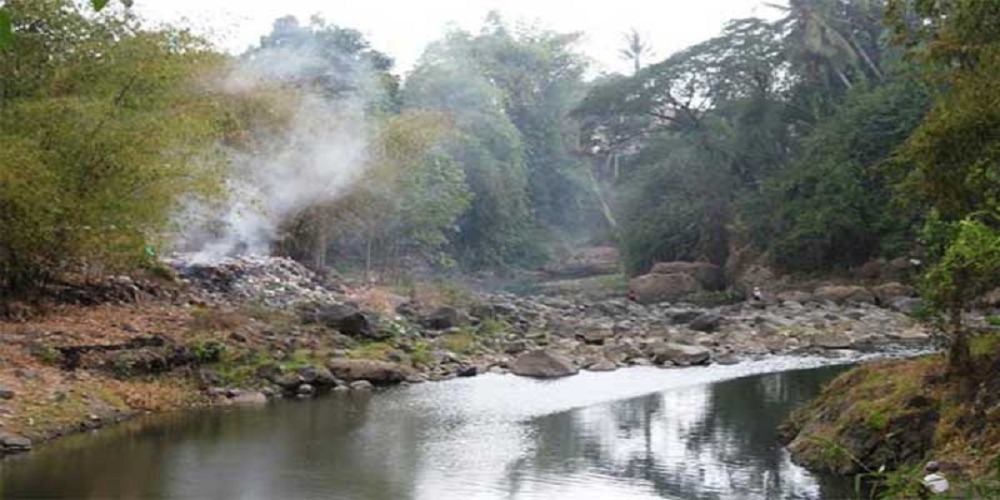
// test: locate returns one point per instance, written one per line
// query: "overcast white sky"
(402, 28)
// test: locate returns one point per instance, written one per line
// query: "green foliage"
(421, 354)
(209, 351)
(461, 342)
(969, 268)
(833, 206)
(110, 135)
(6, 29)
(985, 344)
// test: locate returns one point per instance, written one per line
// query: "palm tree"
(635, 49)
(823, 36)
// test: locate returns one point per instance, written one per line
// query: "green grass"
(374, 350)
(984, 344)
(421, 354)
(462, 342)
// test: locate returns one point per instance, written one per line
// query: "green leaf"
(99, 4)
(6, 29)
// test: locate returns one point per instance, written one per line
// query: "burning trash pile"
(277, 282)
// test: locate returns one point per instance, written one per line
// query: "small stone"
(6, 393)
(11, 443)
(603, 365)
(306, 390)
(361, 385)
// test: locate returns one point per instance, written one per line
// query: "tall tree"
(636, 49)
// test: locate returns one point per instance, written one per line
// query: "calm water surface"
(701, 433)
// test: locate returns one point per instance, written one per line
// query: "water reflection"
(677, 435)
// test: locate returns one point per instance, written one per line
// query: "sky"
(403, 28)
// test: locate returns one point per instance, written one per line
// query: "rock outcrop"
(376, 372)
(543, 364)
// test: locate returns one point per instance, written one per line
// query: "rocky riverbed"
(411, 339)
(248, 329)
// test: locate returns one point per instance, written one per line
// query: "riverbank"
(896, 415)
(267, 328)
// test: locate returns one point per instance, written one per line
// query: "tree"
(950, 162)
(497, 228)
(835, 42)
(700, 128)
(969, 268)
(110, 137)
(635, 50)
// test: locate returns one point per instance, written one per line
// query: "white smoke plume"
(317, 158)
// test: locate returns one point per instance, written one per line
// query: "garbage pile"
(277, 282)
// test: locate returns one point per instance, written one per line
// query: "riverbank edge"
(195, 397)
(892, 416)
(79, 368)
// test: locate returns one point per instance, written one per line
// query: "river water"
(700, 433)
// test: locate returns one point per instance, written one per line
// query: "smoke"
(316, 158)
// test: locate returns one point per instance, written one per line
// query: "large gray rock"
(376, 372)
(12, 443)
(347, 320)
(443, 318)
(831, 341)
(603, 365)
(887, 292)
(679, 354)
(907, 305)
(844, 294)
(709, 276)
(543, 364)
(707, 322)
(653, 288)
(596, 336)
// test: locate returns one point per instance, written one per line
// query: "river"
(701, 433)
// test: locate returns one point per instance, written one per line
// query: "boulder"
(443, 318)
(887, 292)
(596, 336)
(708, 276)
(653, 288)
(622, 352)
(683, 316)
(707, 322)
(679, 354)
(248, 398)
(361, 385)
(907, 305)
(347, 320)
(543, 364)
(317, 376)
(376, 372)
(844, 294)
(603, 365)
(12, 443)
(831, 341)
